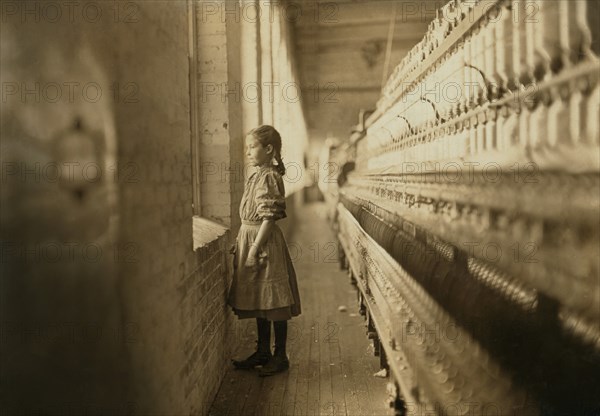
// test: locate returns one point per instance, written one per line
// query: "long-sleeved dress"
(272, 291)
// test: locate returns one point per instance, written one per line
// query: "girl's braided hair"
(266, 135)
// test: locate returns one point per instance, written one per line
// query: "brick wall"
(206, 346)
(220, 121)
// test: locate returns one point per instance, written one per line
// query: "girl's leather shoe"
(257, 358)
(276, 364)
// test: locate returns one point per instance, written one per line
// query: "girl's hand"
(262, 259)
(256, 260)
(251, 261)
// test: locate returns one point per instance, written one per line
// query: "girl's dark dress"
(272, 292)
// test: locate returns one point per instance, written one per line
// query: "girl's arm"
(263, 234)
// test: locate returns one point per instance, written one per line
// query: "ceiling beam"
(411, 38)
(373, 22)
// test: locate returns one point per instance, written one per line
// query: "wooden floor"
(331, 360)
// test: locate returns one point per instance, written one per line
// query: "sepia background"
(442, 194)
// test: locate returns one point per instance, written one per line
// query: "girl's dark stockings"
(263, 327)
(264, 335)
(280, 337)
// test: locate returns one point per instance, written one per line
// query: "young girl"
(264, 281)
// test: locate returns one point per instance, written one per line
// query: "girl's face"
(257, 154)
